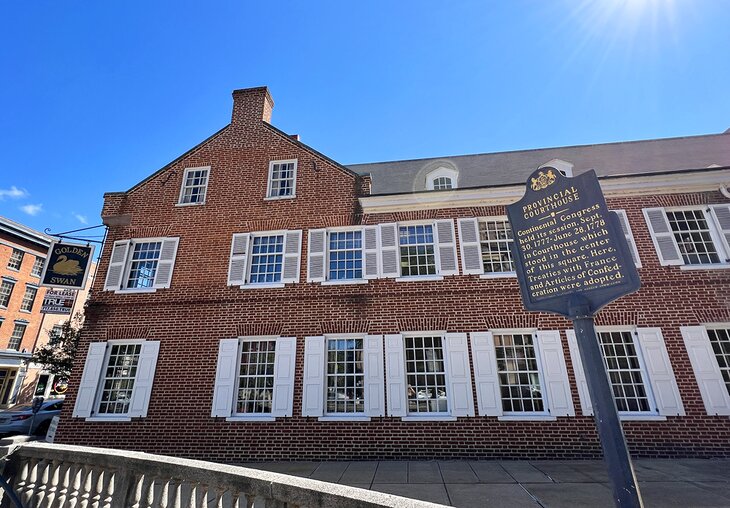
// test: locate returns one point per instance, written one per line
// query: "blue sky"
(95, 96)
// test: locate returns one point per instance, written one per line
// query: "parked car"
(18, 419)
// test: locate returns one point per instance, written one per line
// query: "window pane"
(195, 186)
(256, 377)
(266, 259)
(119, 379)
(282, 179)
(624, 371)
(518, 374)
(143, 267)
(720, 341)
(345, 376)
(345, 255)
(496, 237)
(426, 375)
(417, 250)
(692, 232)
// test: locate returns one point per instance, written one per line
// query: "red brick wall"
(199, 309)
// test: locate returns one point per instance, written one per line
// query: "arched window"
(565, 167)
(442, 178)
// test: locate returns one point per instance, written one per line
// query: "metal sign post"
(572, 258)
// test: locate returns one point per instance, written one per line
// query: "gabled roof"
(504, 168)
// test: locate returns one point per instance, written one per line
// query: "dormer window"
(565, 168)
(442, 179)
(282, 179)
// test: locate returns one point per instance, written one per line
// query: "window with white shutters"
(691, 236)
(519, 374)
(424, 250)
(265, 259)
(116, 383)
(141, 264)
(708, 348)
(495, 237)
(720, 342)
(342, 255)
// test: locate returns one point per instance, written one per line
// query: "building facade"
(256, 300)
(22, 255)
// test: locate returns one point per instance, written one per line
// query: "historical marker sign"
(567, 242)
(67, 265)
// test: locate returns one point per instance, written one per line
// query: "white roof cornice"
(636, 185)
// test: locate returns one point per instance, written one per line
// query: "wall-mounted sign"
(567, 242)
(67, 265)
(58, 301)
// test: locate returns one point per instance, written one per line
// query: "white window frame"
(126, 266)
(715, 236)
(20, 263)
(249, 260)
(180, 201)
(38, 260)
(240, 262)
(268, 416)
(335, 282)
(12, 288)
(719, 326)
(16, 324)
(32, 300)
(91, 386)
(437, 246)
(270, 179)
(493, 275)
(525, 415)
(349, 417)
(442, 172)
(565, 168)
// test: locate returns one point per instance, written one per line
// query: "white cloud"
(32, 209)
(13, 192)
(80, 218)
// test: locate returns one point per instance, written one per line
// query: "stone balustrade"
(52, 475)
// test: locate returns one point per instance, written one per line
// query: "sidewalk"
(684, 483)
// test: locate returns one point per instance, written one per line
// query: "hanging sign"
(67, 265)
(58, 301)
(567, 242)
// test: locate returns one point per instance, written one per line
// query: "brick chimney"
(251, 105)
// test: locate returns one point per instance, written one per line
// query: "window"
(6, 290)
(256, 377)
(639, 370)
(116, 383)
(282, 179)
(442, 183)
(345, 255)
(37, 269)
(625, 372)
(28, 298)
(693, 236)
(141, 264)
(426, 375)
(720, 341)
(16, 259)
(417, 255)
(267, 259)
(56, 331)
(519, 374)
(17, 336)
(442, 178)
(194, 186)
(345, 376)
(495, 236)
(565, 168)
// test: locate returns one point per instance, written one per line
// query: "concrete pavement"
(470, 483)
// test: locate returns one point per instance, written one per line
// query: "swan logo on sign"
(67, 265)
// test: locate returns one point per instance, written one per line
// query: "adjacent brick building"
(256, 300)
(22, 254)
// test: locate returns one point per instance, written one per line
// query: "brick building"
(22, 254)
(256, 300)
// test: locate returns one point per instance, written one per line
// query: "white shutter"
(237, 262)
(118, 260)
(370, 252)
(90, 380)
(317, 255)
(663, 237)
(168, 253)
(626, 228)
(471, 247)
(661, 375)
(460, 396)
(706, 369)
(292, 256)
(445, 239)
(142, 389)
(389, 255)
(374, 375)
(225, 378)
(395, 375)
(721, 216)
(580, 377)
(486, 378)
(284, 365)
(313, 384)
(555, 373)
